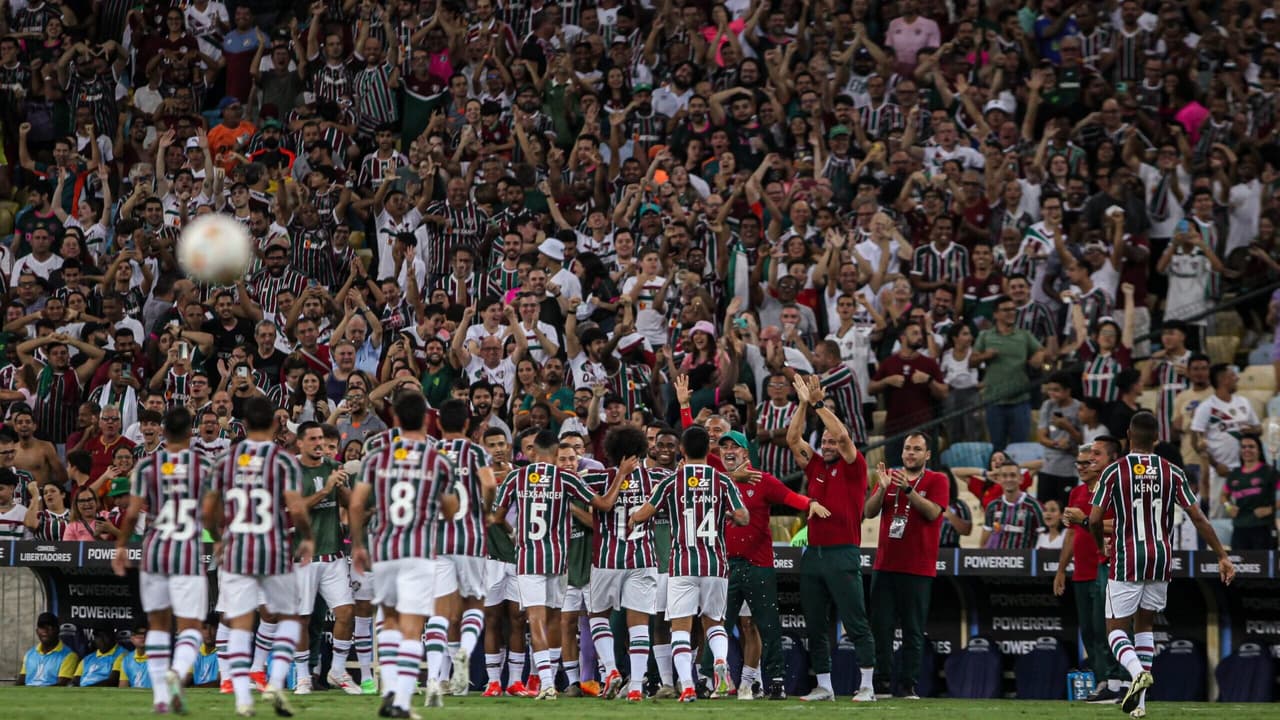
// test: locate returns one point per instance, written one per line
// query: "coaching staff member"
(831, 567)
(910, 501)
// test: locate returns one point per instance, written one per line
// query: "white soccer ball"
(215, 249)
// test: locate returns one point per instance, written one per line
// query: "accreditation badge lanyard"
(898, 524)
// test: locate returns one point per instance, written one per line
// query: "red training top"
(916, 551)
(754, 541)
(1084, 551)
(842, 489)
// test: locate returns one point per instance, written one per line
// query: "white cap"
(553, 249)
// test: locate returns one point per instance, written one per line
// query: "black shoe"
(776, 692)
(1102, 695)
(387, 706)
(703, 692)
(909, 693)
(396, 712)
(883, 687)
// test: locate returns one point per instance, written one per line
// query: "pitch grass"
(116, 704)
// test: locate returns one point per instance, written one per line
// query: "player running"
(172, 580)
(697, 497)
(541, 493)
(254, 495)
(624, 574)
(404, 488)
(460, 563)
(1143, 489)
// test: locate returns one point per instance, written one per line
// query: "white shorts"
(331, 580)
(660, 593)
(542, 590)
(686, 596)
(619, 589)
(407, 584)
(463, 574)
(500, 583)
(575, 600)
(1124, 598)
(361, 585)
(186, 595)
(242, 594)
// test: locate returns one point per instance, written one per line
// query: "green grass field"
(106, 704)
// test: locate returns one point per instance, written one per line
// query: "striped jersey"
(172, 485)
(252, 479)
(464, 534)
(697, 498)
(775, 459)
(1013, 525)
(1168, 384)
(933, 265)
(615, 548)
(1143, 490)
(541, 493)
(407, 477)
(1099, 377)
(881, 120)
(841, 385)
(1037, 319)
(375, 100)
(466, 228)
(1131, 54)
(500, 280)
(50, 525)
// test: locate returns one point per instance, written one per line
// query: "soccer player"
(1143, 488)
(362, 591)
(624, 574)
(664, 455)
(326, 490)
(460, 567)
(502, 599)
(255, 494)
(541, 493)
(409, 486)
(172, 581)
(697, 497)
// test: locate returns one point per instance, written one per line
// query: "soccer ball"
(215, 249)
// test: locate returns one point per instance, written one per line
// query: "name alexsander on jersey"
(172, 485)
(697, 498)
(252, 479)
(541, 494)
(615, 547)
(406, 478)
(1143, 490)
(464, 534)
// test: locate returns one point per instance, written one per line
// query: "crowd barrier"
(1004, 596)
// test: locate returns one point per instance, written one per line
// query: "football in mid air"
(215, 249)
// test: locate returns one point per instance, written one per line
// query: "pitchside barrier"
(1003, 596)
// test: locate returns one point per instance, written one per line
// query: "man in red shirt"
(103, 445)
(752, 579)
(1089, 577)
(910, 501)
(910, 382)
(831, 567)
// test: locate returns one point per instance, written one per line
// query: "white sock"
(493, 665)
(662, 657)
(220, 642)
(239, 650)
(546, 673)
(572, 672)
(1144, 643)
(362, 639)
(682, 657)
(638, 651)
(749, 675)
(301, 665)
(1113, 685)
(515, 667)
(602, 638)
(824, 681)
(1122, 648)
(446, 667)
(185, 651)
(282, 650)
(436, 634)
(338, 655)
(388, 649)
(469, 630)
(409, 664)
(158, 653)
(868, 678)
(719, 642)
(262, 642)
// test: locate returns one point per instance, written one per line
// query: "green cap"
(839, 130)
(736, 437)
(119, 486)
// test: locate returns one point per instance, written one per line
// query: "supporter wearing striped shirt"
(60, 387)
(1012, 521)
(382, 164)
(940, 263)
(333, 80)
(456, 221)
(375, 85)
(276, 276)
(13, 514)
(840, 384)
(48, 515)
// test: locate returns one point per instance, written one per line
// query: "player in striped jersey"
(697, 497)
(460, 569)
(1013, 520)
(623, 573)
(773, 417)
(1143, 488)
(540, 493)
(404, 489)
(254, 495)
(172, 581)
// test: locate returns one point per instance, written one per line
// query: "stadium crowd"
(580, 218)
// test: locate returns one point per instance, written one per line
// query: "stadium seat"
(1185, 660)
(1261, 355)
(1222, 348)
(975, 672)
(967, 454)
(782, 527)
(877, 421)
(1148, 399)
(1227, 322)
(875, 455)
(1273, 407)
(1258, 377)
(1247, 675)
(1042, 673)
(1026, 453)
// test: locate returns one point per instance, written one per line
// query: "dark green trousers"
(899, 600)
(1091, 606)
(833, 576)
(758, 587)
